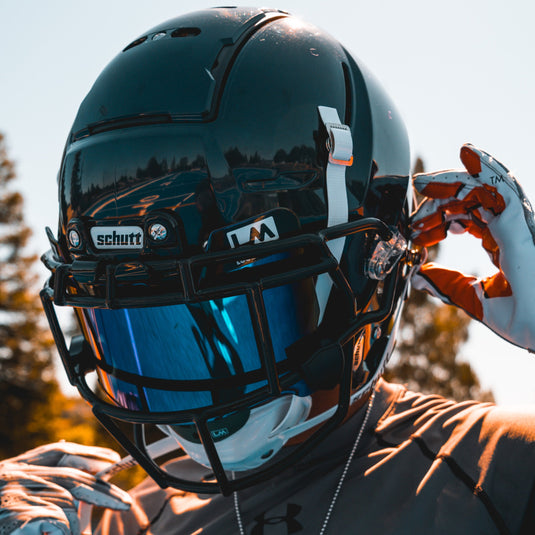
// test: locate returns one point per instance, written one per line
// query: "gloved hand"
(40, 489)
(489, 203)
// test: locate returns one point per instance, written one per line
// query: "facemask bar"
(105, 412)
(65, 275)
(66, 284)
(224, 485)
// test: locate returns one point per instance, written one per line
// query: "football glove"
(40, 490)
(487, 201)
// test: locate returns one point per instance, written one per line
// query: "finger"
(89, 458)
(79, 484)
(492, 173)
(30, 497)
(441, 184)
(496, 286)
(17, 482)
(471, 213)
(428, 231)
(491, 246)
(430, 237)
(103, 494)
(518, 209)
(450, 286)
(476, 160)
(467, 198)
(431, 212)
(433, 220)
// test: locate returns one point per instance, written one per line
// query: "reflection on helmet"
(233, 200)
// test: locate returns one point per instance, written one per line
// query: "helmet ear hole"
(324, 369)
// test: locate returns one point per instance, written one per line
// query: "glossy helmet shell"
(230, 96)
(209, 122)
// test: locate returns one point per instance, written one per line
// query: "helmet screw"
(377, 333)
(157, 232)
(74, 238)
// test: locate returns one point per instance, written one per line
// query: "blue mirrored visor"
(141, 351)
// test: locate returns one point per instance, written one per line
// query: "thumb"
(450, 286)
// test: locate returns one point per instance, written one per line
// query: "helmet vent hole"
(135, 43)
(349, 93)
(268, 454)
(186, 32)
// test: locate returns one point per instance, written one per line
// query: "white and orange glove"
(40, 490)
(487, 201)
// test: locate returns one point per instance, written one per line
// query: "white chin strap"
(340, 146)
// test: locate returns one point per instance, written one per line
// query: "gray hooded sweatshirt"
(424, 465)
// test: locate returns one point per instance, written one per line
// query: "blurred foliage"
(34, 411)
(427, 357)
(27, 384)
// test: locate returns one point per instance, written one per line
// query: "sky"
(459, 71)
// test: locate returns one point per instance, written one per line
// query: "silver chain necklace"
(340, 481)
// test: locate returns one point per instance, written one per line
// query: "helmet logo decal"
(220, 433)
(117, 237)
(257, 232)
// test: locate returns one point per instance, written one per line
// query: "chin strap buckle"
(339, 144)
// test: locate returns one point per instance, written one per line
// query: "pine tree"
(429, 342)
(31, 402)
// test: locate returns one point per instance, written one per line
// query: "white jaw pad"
(258, 440)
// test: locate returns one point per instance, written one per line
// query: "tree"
(33, 409)
(429, 342)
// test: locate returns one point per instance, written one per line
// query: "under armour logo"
(292, 510)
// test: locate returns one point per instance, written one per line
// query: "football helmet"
(233, 208)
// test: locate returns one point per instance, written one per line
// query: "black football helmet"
(233, 209)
